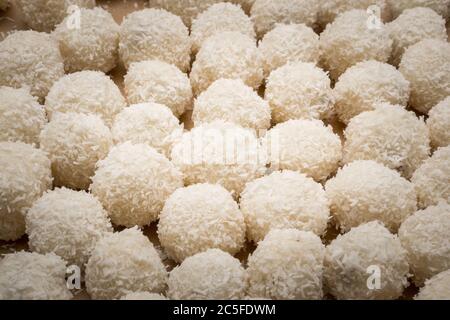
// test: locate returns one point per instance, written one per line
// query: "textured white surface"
(438, 124)
(440, 6)
(436, 288)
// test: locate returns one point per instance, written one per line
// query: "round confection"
(21, 116)
(307, 146)
(133, 182)
(4, 4)
(367, 83)
(356, 260)
(233, 101)
(287, 265)
(68, 223)
(154, 34)
(365, 190)
(74, 143)
(157, 81)
(210, 275)
(389, 135)
(143, 295)
(149, 123)
(122, 262)
(438, 123)
(299, 90)
(425, 237)
(284, 199)
(93, 45)
(25, 175)
(440, 6)
(349, 40)
(426, 65)
(33, 276)
(229, 55)
(90, 92)
(200, 217)
(436, 288)
(30, 59)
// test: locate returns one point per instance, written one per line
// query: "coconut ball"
(74, 143)
(90, 92)
(33, 276)
(233, 101)
(287, 264)
(122, 262)
(440, 6)
(438, 123)
(143, 295)
(352, 262)
(426, 65)
(4, 4)
(389, 135)
(299, 90)
(227, 55)
(25, 175)
(349, 40)
(154, 34)
(157, 81)
(30, 59)
(436, 288)
(133, 182)
(366, 84)
(21, 116)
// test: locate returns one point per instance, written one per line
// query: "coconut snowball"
(133, 182)
(30, 59)
(25, 175)
(232, 101)
(154, 34)
(299, 90)
(227, 55)
(143, 295)
(440, 6)
(349, 40)
(436, 288)
(287, 264)
(210, 275)
(157, 81)
(351, 263)
(438, 123)
(74, 143)
(389, 135)
(33, 276)
(122, 262)
(90, 92)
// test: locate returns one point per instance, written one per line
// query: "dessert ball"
(440, 6)
(438, 123)
(143, 295)
(436, 288)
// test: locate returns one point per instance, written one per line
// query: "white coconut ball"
(210, 275)
(157, 81)
(438, 123)
(229, 55)
(354, 261)
(122, 262)
(133, 182)
(436, 288)
(33, 276)
(366, 84)
(143, 295)
(389, 135)
(440, 6)
(4, 4)
(287, 264)
(74, 143)
(30, 59)
(154, 34)
(233, 101)
(349, 40)
(25, 175)
(299, 90)
(89, 92)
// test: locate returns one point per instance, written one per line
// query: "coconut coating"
(287, 264)
(157, 81)
(229, 55)
(122, 262)
(426, 65)
(233, 101)
(440, 6)
(389, 135)
(348, 40)
(143, 295)
(436, 288)
(299, 90)
(438, 123)
(210, 275)
(74, 143)
(25, 175)
(349, 260)
(133, 182)
(89, 92)
(366, 84)
(154, 34)
(30, 59)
